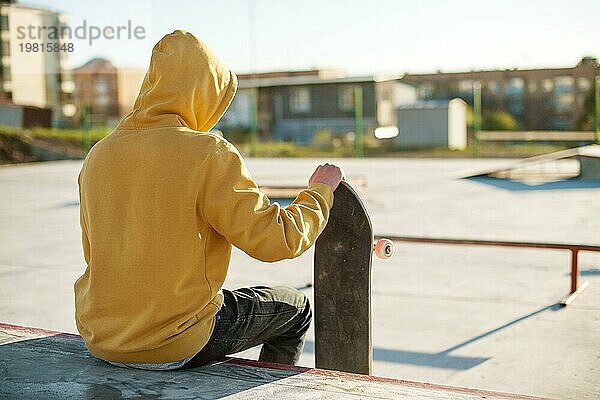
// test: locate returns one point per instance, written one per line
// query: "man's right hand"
(329, 174)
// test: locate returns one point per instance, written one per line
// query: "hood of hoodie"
(186, 85)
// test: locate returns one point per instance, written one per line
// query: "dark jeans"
(277, 318)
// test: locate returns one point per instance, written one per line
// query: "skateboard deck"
(342, 285)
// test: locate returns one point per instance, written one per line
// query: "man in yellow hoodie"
(162, 203)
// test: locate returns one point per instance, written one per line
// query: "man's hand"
(328, 174)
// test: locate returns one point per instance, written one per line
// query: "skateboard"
(342, 285)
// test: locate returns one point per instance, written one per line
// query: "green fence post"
(253, 122)
(85, 125)
(476, 116)
(358, 122)
(597, 109)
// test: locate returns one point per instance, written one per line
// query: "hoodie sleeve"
(235, 207)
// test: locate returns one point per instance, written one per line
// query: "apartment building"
(29, 76)
(538, 99)
(108, 91)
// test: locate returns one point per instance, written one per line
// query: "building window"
(465, 86)
(102, 100)
(6, 73)
(584, 84)
(425, 91)
(346, 98)
(548, 85)
(514, 95)
(515, 107)
(299, 100)
(532, 86)
(5, 48)
(514, 87)
(101, 86)
(563, 102)
(494, 87)
(3, 22)
(563, 84)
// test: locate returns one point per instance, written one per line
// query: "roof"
(323, 73)
(312, 80)
(96, 65)
(428, 104)
(585, 61)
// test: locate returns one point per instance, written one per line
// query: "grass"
(373, 147)
(282, 149)
(486, 150)
(69, 134)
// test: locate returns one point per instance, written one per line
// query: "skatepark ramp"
(580, 162)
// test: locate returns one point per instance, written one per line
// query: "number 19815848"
(46, 47)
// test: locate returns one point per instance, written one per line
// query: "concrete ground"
(480, 317)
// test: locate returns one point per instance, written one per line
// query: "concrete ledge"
(587, 156)
(546, 136)
(590, 167)
(38, 363)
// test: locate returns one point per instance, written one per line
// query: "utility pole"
(597, 109)
(476, 116)
(358, 122)
(254, 91)
(253, 120)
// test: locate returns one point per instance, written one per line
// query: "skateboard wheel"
(384, 248)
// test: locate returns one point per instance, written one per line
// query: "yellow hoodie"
(162, 203)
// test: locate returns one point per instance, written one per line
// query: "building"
(240, 115)
(129, 82)
(293, 106)
(33, 78)
(19, 116)
(433, 123)
(108, 91)
(96, 87)
(538, 99)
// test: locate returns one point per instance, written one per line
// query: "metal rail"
(575, 289)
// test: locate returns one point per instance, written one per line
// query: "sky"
(360, 37)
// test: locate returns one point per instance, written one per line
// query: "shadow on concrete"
(60, 367)
(516, 186)
(586, 272)
(67, 204)
(436, 360)
(443, 359)
(589, 272)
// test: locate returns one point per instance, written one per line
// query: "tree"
(498, 121)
